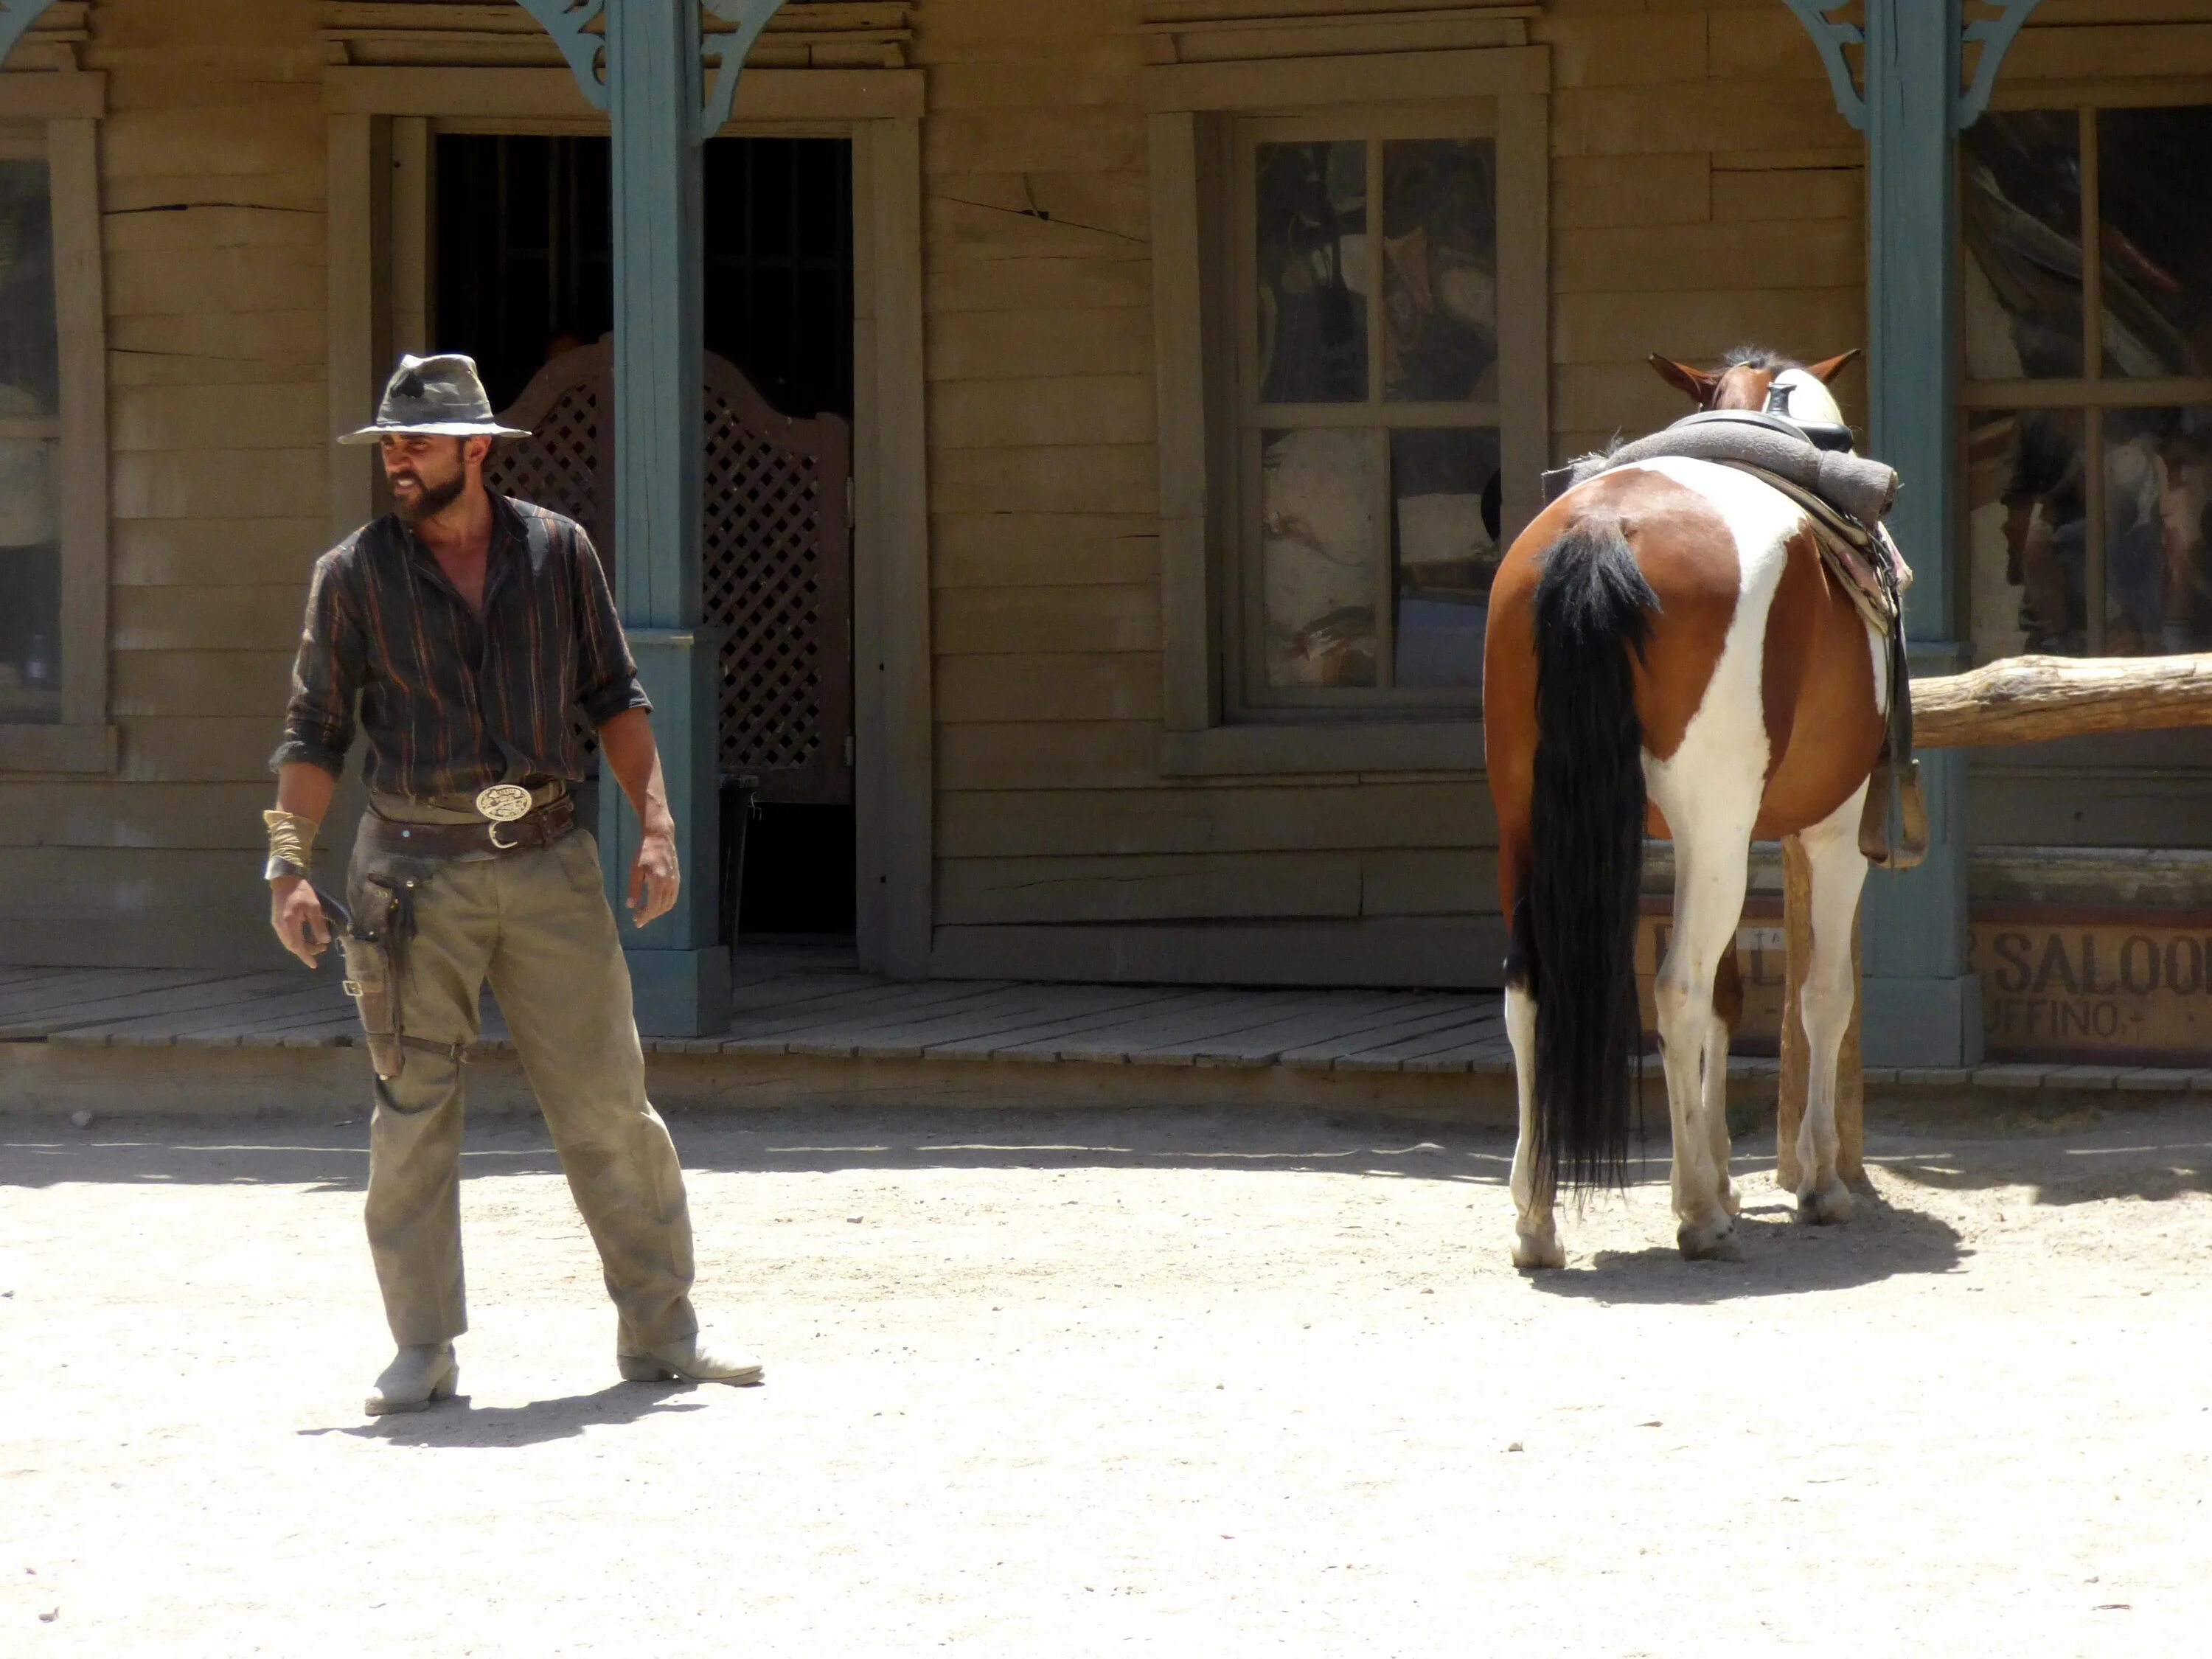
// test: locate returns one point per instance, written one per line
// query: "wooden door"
(776, 556)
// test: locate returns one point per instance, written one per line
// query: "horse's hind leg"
(1825, 1003)
(1712, 855)
(1728, 1014)
(1535, 1233)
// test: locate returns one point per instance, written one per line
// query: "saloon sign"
(2104, 983)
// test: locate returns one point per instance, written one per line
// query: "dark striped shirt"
(451, 700)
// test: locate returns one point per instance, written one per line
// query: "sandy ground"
(1117, 1382)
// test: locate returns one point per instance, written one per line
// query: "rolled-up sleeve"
(606, 674)
(326, 676)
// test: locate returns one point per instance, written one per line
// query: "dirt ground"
(1103, 1383)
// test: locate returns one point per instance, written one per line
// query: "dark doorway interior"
(524, 269)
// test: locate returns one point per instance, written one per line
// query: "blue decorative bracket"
(729, 51)
(1995, 36)
(1832, 34)
(570, 24)
(16, 16)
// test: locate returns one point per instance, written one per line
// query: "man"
(471, 626)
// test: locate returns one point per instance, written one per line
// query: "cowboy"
(472, 628)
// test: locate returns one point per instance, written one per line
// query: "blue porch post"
(680, 965)
(660, 111)
(1921, 1006)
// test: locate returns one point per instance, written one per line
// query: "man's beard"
(431, 499)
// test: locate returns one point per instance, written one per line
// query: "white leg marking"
(1715, 1104)
(1825, 1003)
(1536, 1235)
(1712, 865)
(1709, 790)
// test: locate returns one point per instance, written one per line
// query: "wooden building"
(1169, 372)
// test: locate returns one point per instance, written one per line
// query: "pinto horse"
(1666, 652)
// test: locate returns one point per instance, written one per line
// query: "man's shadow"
(456, 1422)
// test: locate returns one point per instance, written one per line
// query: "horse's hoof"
(1533, 1254)
(1708, 1241)
(1825, 1206)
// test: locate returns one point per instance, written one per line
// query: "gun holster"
(369, 982)
(381, 926)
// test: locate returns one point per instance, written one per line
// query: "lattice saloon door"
(777, 566)
(567, 463)
(776, 556)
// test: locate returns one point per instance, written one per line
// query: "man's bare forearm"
(626, 743)
(304, 789)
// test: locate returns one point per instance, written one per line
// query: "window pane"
(1311, 232)
(30, 555)
(2158, 577)
(1446, 501)
(1321, 555)
(2021, 204)
(2155, 201)
(1440, 269)
(2027, 516)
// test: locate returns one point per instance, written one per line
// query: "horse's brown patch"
(1823, 726)
(1687, 552)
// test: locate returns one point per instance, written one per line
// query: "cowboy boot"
(686, 1361)
(418, 1374)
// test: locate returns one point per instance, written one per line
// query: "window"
(2089, 381)
(53, 429)
(1366, 410)
(1349, 260)
(30, 443)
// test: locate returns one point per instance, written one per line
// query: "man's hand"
(654, 880)
(297, 915)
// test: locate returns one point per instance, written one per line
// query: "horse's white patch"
(1809, 398)
(1728, 733)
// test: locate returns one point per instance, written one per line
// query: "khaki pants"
(537, 924)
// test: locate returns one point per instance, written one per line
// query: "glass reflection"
(1444, 489)
(1320, 556)
(2156, 232)
(2158, 575)
(1311, 236)
(2020, 206)
(1439, 268)
(2027, 533)
(30, 555)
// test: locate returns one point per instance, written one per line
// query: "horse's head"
(1748, 376)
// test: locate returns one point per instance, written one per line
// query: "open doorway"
(524, 275)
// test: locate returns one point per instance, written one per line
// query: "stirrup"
(1910, 848)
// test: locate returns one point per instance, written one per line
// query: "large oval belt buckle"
(503, 803)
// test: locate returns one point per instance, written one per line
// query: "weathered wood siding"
(212, 179)
(1705, 193)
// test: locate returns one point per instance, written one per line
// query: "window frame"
(59, 113)
(2092, 394)
(1247, 696)
(1202, 113)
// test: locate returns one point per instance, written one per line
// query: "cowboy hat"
(440, 395)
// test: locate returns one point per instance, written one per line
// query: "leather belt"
(544, 794)
(541, 828)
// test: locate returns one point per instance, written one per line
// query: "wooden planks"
(824, 1014)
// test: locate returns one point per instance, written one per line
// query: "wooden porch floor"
(806, 1023)
(800, 1001)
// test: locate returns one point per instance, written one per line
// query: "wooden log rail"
(2020, 700)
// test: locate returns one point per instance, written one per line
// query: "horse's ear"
(1695, 382)
(1825, 373)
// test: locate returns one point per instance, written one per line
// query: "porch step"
(803, 1028)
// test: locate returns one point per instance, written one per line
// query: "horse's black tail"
(1574, 928)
